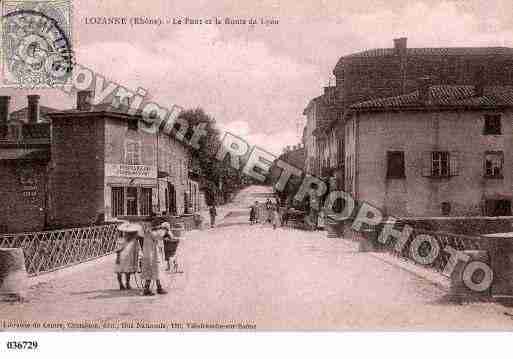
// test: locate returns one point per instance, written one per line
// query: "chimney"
(424, 84)
(33, 108)
(400, 46)
(4, 115)
(479, 82)
(84, 100)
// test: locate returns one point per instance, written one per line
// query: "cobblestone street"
(275, 279)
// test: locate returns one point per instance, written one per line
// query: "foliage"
(219, 178)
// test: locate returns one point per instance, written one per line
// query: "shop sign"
(124, 170)
(28, 184)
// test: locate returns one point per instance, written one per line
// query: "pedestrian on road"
(268, 207)
(276, 219)
(260, 213)
(127, 253)
(152, 257)
(253, 213)
(285, 218)
(213, 214)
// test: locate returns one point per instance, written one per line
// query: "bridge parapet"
(51, 250)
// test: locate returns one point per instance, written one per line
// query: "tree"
(217, 172)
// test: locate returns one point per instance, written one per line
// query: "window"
(446, 208)
(494, 162)
(440, 164)
(395, 164)
(118, 201)
(132, 152)
(492, 125)
(133, 125)
(146, 205)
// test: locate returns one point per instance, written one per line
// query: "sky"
(256, 80)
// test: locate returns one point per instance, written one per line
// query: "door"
(171, 200)
(131, 201)
(117, 201)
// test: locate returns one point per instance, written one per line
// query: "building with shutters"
(438, 151)
(389, 72)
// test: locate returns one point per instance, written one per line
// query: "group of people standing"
(267, 212)
(143, 251)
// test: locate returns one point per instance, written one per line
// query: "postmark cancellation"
(36, 49)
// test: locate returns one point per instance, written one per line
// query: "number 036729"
(22, 345)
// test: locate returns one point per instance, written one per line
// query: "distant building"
(295, 157)
(439, 150)
(89, 163)
(320, 112)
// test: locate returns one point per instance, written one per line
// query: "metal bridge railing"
(50, 250)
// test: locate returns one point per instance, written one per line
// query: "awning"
(162, 174)
(24, 154)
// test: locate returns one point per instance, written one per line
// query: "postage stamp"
(36, 43)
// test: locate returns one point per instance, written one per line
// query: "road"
(276, 279)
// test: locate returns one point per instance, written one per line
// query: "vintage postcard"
(256, 166)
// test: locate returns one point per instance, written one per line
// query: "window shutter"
(427, 158)
(454, 163)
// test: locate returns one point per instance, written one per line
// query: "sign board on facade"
(29, 191)
(123, 170)
(28, 182)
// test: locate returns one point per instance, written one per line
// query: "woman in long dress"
(153, 257)
(276, 218)
(127, 253)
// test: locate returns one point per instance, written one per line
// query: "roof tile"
(445, 96)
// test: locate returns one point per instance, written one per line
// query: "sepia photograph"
(246, 167)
